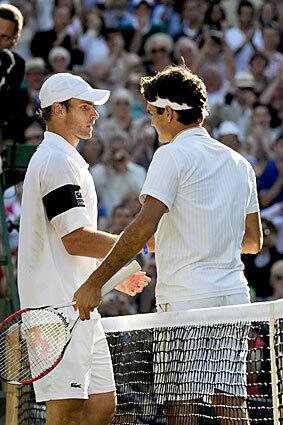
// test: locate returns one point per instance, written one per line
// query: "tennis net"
(210, 366)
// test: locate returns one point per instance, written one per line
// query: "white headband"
(162, 103)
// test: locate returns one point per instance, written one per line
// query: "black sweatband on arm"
(62, 199)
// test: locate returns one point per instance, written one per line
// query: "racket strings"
(31, 343)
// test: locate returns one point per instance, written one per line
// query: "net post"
(274, 377)
(12, 404)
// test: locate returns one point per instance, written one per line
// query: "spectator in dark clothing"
(214, 17)
(12, 69)
(257, 267)
(143, 27)
(270, 183)
(43, 41)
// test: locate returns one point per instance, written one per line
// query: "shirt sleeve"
(162, 178)
(62, 195)
(253, 205)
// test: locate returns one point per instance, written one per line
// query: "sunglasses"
(156, 50)
(278, 276)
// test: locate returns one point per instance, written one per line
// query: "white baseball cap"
(64, 86)
(228, 127)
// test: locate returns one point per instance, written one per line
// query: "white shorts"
(85, 369)
(193, 362)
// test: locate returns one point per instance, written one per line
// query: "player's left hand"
(134, 283)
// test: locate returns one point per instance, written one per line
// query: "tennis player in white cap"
(59, 244)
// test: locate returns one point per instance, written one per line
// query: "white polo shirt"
(208, 189)
(58, 197)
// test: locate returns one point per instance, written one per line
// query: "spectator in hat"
(59, 59)
(229, 134)
(242, 99)
(34, 78)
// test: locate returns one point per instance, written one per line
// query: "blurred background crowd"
(236, 47)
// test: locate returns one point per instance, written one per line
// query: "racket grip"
(121, 275)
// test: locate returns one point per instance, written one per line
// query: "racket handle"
(121, 275)
(118, 277)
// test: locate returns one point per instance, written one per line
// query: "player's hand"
(134, 283)
(87, 298)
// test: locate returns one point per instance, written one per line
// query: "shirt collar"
(194, 131)
(58, 142)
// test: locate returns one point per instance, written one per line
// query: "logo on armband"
(79, 198)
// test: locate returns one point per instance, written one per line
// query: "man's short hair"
(13, 14)
(45, 114)
(180, 85)
(245, 3)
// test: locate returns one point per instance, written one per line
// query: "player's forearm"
(128, 245)
(86, 242)
(151, 244)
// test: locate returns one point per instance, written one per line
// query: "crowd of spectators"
(235, 46)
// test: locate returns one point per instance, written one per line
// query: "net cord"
(229, 314)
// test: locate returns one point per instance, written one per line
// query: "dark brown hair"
(178, 84)
(13, 14)
(45, 114)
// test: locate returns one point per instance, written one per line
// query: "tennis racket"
(34, 340)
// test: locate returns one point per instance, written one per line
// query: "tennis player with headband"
(59, 244)
(200, 201)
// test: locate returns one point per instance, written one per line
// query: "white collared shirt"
(47, 274)
(208, 189)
